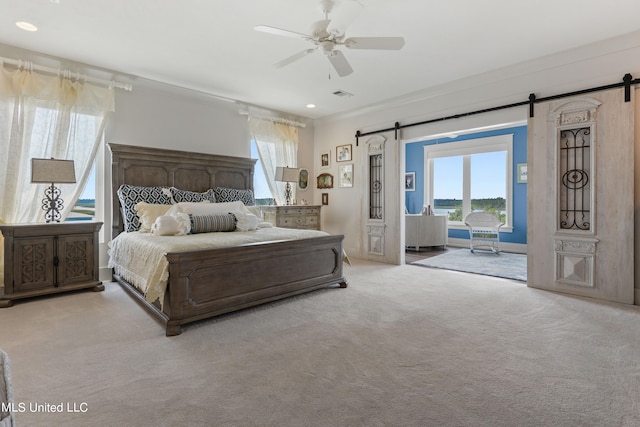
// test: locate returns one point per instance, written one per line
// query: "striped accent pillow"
(211, 223)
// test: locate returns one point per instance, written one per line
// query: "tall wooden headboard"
(152, 167)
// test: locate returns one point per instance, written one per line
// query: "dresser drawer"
(290, 221)
(312, 220)
(298, 211)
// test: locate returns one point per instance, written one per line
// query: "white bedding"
(139, 257)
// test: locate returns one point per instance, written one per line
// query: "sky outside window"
(488, 175)
(447, 178)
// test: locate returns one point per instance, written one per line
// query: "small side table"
(425, 230)
(42, 259)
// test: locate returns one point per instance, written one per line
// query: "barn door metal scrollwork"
(575, 241)
(375, 221)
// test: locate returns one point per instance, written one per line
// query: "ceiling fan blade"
(293, 58)
(343, 15)
(381, 43)
(340, 63)
(280, 32)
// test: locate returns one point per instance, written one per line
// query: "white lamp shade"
(285, 174)
(52, 171)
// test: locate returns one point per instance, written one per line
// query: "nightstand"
(307, 217)
(42, 259)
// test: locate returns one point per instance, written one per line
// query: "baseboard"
(106, 274)
(517, 248)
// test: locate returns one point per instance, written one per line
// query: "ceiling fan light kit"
(327, 34)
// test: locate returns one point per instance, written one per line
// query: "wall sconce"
(287, 174)
(50, 171)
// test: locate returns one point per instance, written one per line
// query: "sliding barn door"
(580, 197)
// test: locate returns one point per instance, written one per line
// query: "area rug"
(504, 264)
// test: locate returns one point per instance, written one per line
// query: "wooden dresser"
(307, 217)
(41, 259)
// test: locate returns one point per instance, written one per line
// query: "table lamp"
(51, 171)
(287, 174)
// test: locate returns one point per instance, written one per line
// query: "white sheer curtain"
(45, 116)
(277, 146)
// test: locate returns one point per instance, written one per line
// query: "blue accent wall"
(414, 200)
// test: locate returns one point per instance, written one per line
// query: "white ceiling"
(211, 46)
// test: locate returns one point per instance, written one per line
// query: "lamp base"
(52, 204)
(287, 194)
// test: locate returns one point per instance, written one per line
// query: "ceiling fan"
(327, 34)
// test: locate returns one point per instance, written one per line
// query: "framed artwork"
(522, 173)
(345, 179)
(303, 179)
(324, 180)
(410, 181)
(325, 198)
(325, 160)
(343, 153)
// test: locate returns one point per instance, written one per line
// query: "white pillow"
(148, 212)
(186, 207)
(246, 222)
(205, 208)
(178, 225)
(256, 210)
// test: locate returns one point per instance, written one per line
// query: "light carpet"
(503, 264)
(401, 346)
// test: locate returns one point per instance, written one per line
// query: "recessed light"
(27, 26)
(311, 105)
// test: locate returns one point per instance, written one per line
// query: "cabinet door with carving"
(75, 259)
(32, 264)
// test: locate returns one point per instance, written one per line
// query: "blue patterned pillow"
(210, 223)
(191, 196)
(233, 195)
(131, 195)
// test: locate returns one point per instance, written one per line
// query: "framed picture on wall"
(325, 160)
(343, 153)
(324, 180)
(303, 179)
(522, 173)
(410, 181)
(325, 198)
(345, 180)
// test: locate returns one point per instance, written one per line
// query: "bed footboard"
(207, 283)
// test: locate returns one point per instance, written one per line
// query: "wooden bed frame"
(207, 283)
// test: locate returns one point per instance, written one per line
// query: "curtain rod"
(21, 63)
(274, 119)
(626, 83)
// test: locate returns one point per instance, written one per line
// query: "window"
(472, 175)
(85, 207)
(447, 186)
(261, 190)
(90, 203)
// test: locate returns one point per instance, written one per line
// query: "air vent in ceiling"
(342, 93)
